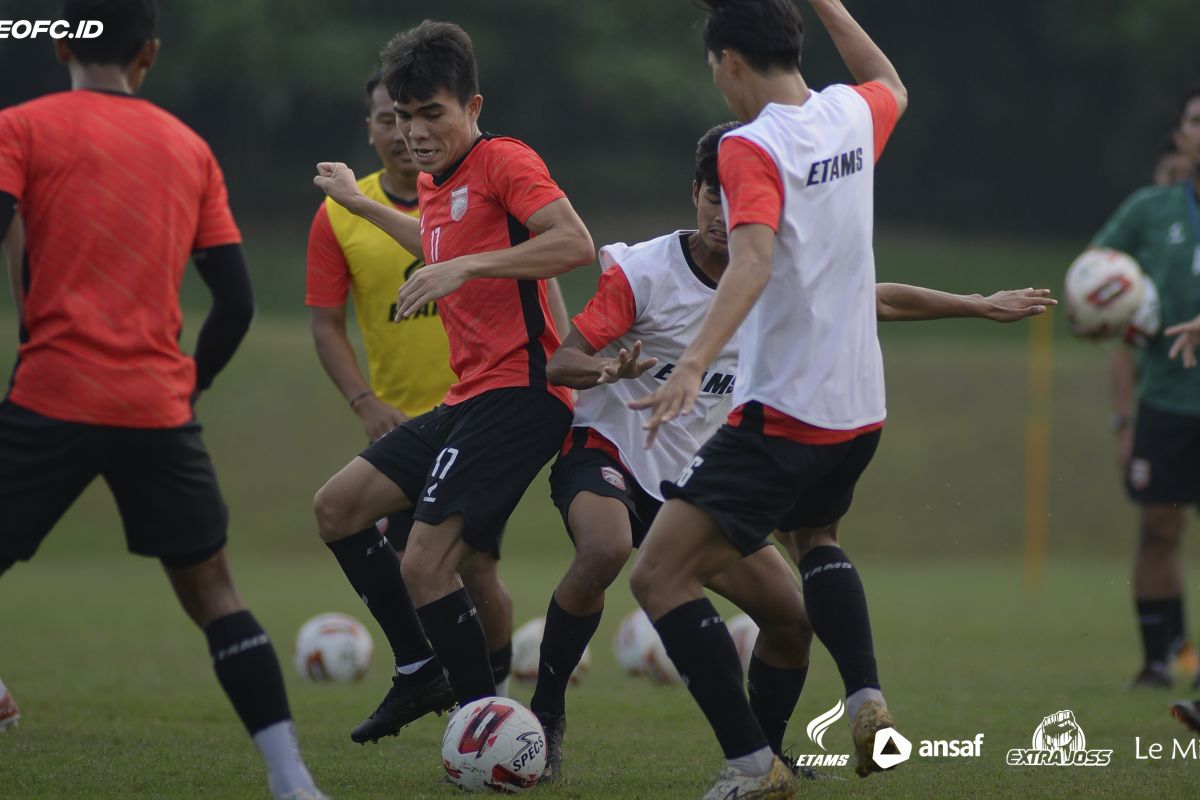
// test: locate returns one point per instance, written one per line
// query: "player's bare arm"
(12, 247)
(1187, 337)
(752, 248)
(328, 326)
(1122, 378)
(575, 364)
(558, 307)
(898, 302)
(338, 181)
(560, 243)
(859, 52)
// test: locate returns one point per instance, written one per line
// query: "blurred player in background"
(1158, 446)
(1173, 165)
(651, 299)
(493, 226)
(797, 183)
(115, 194)
(409, 368)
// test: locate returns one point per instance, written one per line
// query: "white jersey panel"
(809, 347)
(671, 297)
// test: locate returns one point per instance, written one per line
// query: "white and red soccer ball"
(494, 744)
(333, 648)
(527, 653)
(1108, 295)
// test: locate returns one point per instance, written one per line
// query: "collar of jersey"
(700, 274)
(442, 177)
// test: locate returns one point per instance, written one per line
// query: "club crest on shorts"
(1139, 473)
(458, 203)
(613, 476)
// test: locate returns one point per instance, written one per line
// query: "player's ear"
(474, 106)
(149, 53)
(61, 51)
(695, 193)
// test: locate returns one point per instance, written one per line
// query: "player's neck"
(786, 88)
(711, 264)
(398, 184)
(100, 78)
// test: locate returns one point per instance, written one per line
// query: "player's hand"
(1016, 304)
(1184, 346)
(626, 365)
(378, 417)
(675, 397)
(1124, 448)
(337, 180)
(431, 282)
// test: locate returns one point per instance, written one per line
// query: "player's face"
(1187, 138)
(1172, 168)
(439, 129)
(384, 135)
(710, 218)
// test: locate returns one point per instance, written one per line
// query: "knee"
(329, 510)
(481, 575)
(642, 583)
(601, 560)
(1160, 529)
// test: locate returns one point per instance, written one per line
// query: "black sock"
(1154, 619)
(373, 569)
(699, 643)
(453, 627)
(563, 641)
(501, 661)
(774, 693)
(837, 609)
(1176, 630)
(247, 670)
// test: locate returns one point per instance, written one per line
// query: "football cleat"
(1187, 712)
(872, 717)
(410, 698)
(778, 784)
(1187, 659)
(810, 774)
(10, 715)
(555, 725)
(1152, 676)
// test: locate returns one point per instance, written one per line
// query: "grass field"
(119, 699)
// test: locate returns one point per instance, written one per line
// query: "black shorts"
(475, 458)
(589, 469)
(752, 484)
(162, 479)
(399, 525)
(1165, 464)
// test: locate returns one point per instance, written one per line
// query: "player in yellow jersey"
(409, 367)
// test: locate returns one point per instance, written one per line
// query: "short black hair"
(128, 25)
(768, 33)
(432, 56)
(1184, 102)
(373, 82)
(706, 155)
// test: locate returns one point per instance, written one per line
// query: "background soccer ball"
(333, 648)
(1104, 290)
(494, 743)
(527, 653)
(635, 636)
(745, 633)
(1147, 320)
(658, 666)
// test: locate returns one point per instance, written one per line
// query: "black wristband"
(359, 396)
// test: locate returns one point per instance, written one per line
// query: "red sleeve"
(884, 112)
(14, 140)
(327, 279)
(215, 226)
(520, 179)
(751, 183)
(611, 313)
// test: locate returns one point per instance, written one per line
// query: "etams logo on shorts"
(1059, 742)
(55, 29)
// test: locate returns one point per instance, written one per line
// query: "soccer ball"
(333, 648)
(1147, 320)
(496, 744)
(658, 666)
(527, 653)
(1104, 290)
(635, 636)
(745, 633)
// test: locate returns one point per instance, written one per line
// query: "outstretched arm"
(1188, 334)
(575, 364)
(898, 302)
(337, 180)
(861, 55)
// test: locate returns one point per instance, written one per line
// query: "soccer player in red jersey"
(797, 186)
(115, 194)
(493, 226)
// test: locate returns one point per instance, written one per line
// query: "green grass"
(119, 699)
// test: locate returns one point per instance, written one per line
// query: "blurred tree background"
(1029, 117)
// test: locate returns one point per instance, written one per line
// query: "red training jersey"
(115, 194)
(500, 329)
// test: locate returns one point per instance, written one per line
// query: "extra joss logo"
(1059, 742)
(55, 29)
